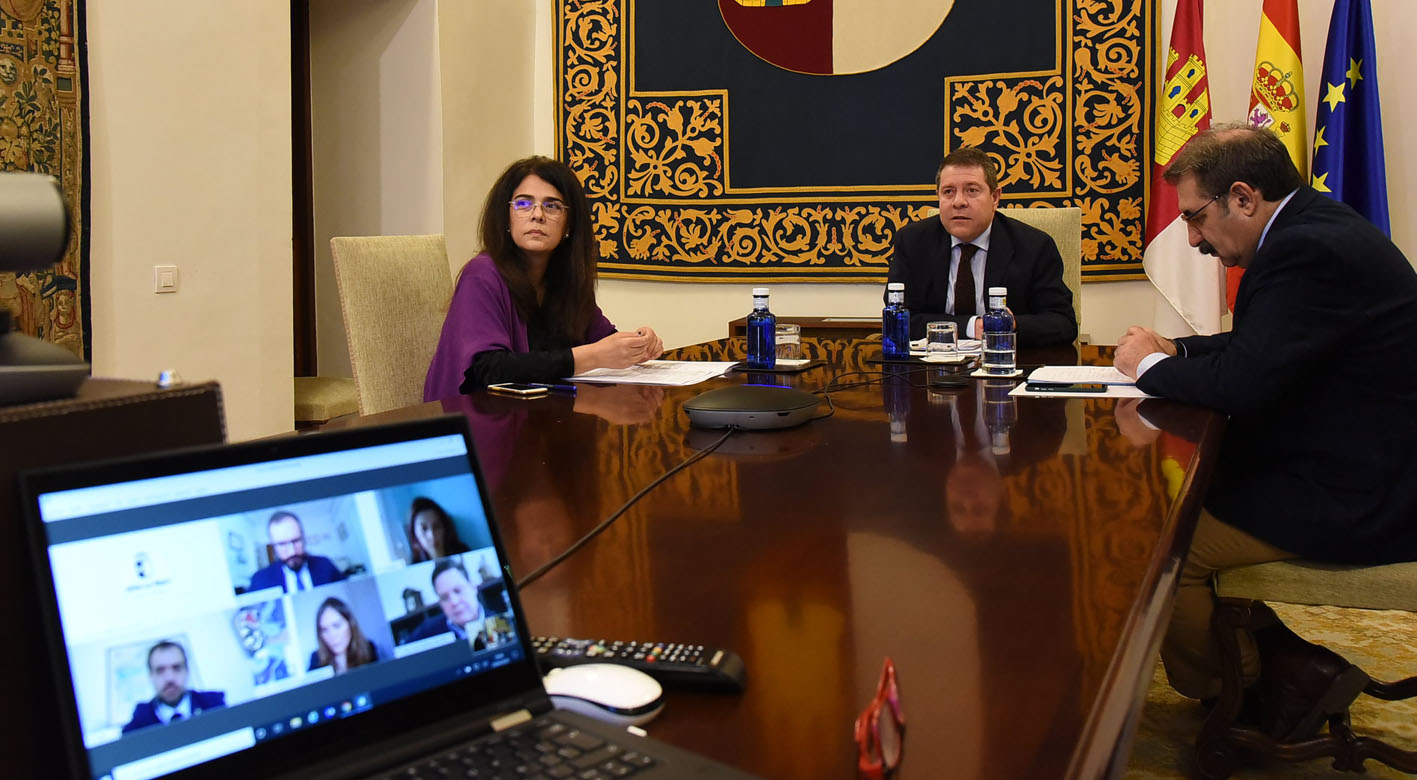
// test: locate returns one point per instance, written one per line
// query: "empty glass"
(940, 338)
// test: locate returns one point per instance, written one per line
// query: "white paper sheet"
(1105, 375)
(674, 373)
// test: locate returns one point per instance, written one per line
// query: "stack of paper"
(675, 373)
(1119, 385)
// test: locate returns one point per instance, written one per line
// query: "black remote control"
(673, 665)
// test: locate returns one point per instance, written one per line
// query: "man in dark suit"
(294, 570)
(998, 252)
(1319, 377)
(167, 667)
(458, 598)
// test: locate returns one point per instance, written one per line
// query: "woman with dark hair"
(342, 644)
(431, 534)
(524, 309)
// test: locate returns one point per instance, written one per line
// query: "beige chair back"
(394, 292)
(1065, 226)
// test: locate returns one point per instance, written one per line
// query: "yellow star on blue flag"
(1334, 96)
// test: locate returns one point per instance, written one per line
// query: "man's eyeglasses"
(553, 209)
(880, 729)
(1189, 217)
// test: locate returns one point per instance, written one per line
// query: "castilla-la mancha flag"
(1191, 283)
(1277, 95)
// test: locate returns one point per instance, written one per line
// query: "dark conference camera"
(34, 229)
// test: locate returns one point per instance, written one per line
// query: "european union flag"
(1348, 135)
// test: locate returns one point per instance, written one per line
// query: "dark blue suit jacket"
(438, 624)
(1319, 377)
(322, 570)
(145, 714)
(1021, 258)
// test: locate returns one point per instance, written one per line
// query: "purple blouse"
(483, 318)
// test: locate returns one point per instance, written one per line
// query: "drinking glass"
(789, 341)
(940, 338)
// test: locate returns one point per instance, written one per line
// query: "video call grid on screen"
(175, 559)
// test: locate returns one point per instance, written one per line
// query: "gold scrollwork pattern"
(850, 236)
(1109, 137)
(655, 165)
(590, 92)
(1108, 95)
(674, 148)
(1020, 123)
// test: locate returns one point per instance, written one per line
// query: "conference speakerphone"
(752, 407)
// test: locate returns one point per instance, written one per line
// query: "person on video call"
(342, 643)
(294, 570)
(457, 595)
(431, 534)
(524, 309)
(167, 668)
(997, 250)
(1318, 375)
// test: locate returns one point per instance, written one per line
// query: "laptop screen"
(228, 599)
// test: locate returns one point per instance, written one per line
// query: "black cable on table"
(537, 573)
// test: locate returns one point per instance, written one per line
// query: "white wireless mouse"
(610, 692)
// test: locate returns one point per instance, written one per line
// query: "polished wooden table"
(1020, 588)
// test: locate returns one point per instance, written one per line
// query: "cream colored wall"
(489, 72)
(190, 153)
(377, 137)
(686, 313)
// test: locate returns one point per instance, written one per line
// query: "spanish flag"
(1277, 94)
(1190, 283)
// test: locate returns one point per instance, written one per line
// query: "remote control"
(673, 665)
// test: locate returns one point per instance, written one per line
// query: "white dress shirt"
(976, 266)
(297, 580)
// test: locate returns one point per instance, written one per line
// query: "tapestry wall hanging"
(788, 140)
(44, 128)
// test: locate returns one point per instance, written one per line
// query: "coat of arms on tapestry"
(43, 127)
(759, 140)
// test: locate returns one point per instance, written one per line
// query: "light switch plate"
(164, 278)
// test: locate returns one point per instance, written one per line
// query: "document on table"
(1102, 375)
(1119, 385)
(674, 373)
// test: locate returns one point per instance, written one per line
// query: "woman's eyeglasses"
(880, 729)
(552, 209)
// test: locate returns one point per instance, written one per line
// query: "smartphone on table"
(1065, 387)
(521, 389)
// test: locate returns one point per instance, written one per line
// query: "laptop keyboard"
(542, 749)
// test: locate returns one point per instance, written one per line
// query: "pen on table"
(567, 389)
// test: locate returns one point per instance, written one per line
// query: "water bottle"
(895, 324)
(1000, 340)
(762, 332)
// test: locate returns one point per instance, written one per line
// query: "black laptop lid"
(236, 610)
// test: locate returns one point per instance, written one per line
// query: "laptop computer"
(333, 605)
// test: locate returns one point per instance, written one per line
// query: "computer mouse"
(610, 692)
